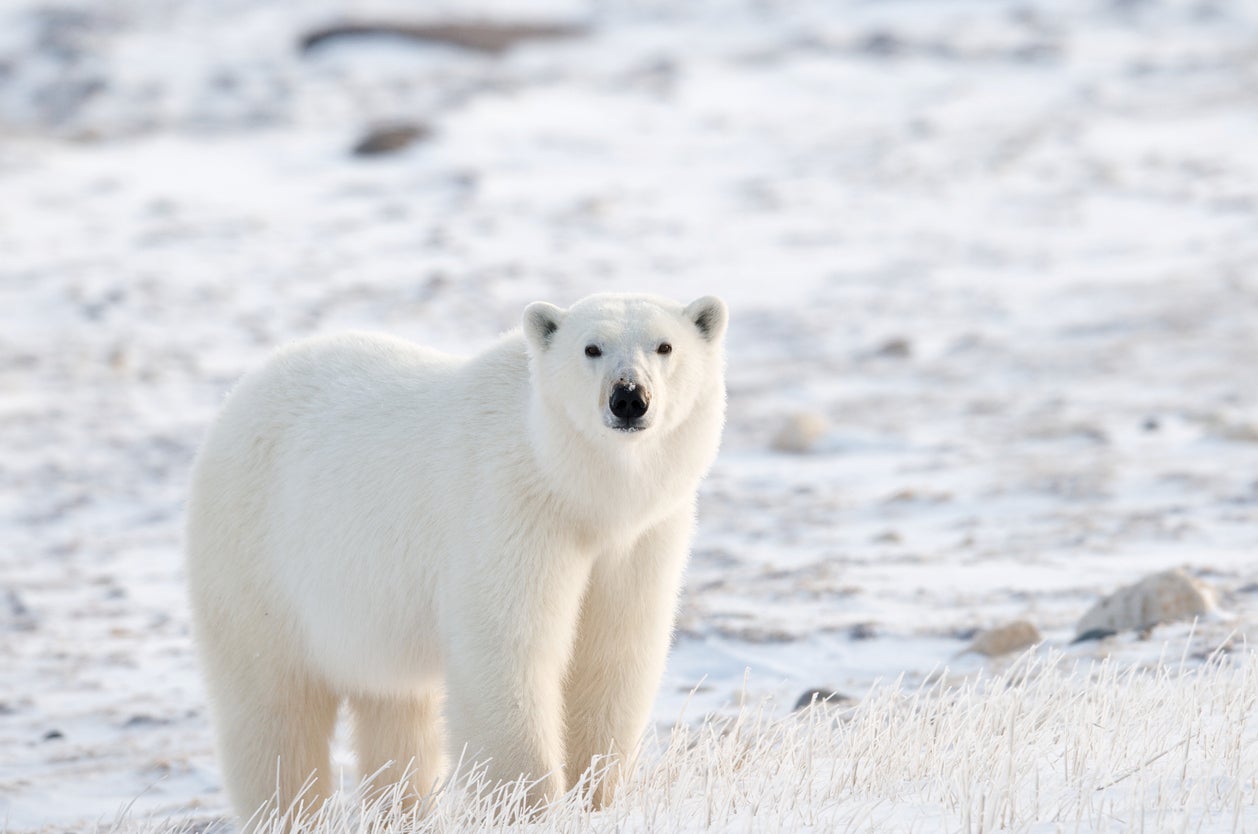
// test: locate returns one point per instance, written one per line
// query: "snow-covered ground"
(1008, 251)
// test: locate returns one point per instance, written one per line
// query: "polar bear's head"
(622, 366)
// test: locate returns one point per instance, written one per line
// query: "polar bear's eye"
(664, 347)
(592, 351)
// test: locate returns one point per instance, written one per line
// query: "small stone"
(1037, 52)
(756, 634)
(862, 631)
(820, 697)
(14, 612)
(53, 735)
(487, 36)
(895, 348)
(1094, 634)
(1240, 431)
(800, 432)
(909, 495)
(1231, 427)
(881, 43)
(390, 138)
(1005, 639)
(143, 720)
(1163, 597)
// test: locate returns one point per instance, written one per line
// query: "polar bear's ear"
(541, 320)
(710, 315)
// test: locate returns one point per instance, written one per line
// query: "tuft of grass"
(1049, 745)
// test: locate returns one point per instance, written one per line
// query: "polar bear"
(376, 522)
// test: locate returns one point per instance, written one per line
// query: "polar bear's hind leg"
(261, 711)
(396, 736)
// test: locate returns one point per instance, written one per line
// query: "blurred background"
(992, 268)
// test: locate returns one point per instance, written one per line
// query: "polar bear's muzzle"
(628, 405)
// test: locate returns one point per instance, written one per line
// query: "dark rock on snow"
(490, 37)
(390, 138)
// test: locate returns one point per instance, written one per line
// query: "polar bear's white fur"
(378, 522)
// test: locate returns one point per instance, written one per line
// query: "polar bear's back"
(331, 466)
(329, 401)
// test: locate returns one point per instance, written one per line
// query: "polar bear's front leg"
(622, 644)
(507, 655)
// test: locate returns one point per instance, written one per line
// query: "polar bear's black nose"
(629, 401)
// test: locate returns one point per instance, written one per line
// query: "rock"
(820, 697)
(485, 36)
(1244, 432)
(14, 612)
(1094, 634)
(390, 138)
(1005, 639)
(1160, 598)
(800, 432)
(144, 720)
(882, 44)
(895, 348)
(862, 631)
(909, 495)
(756, 634)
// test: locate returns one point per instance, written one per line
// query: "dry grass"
(1051, 745)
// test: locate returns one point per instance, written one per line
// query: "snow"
(1048, 207)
